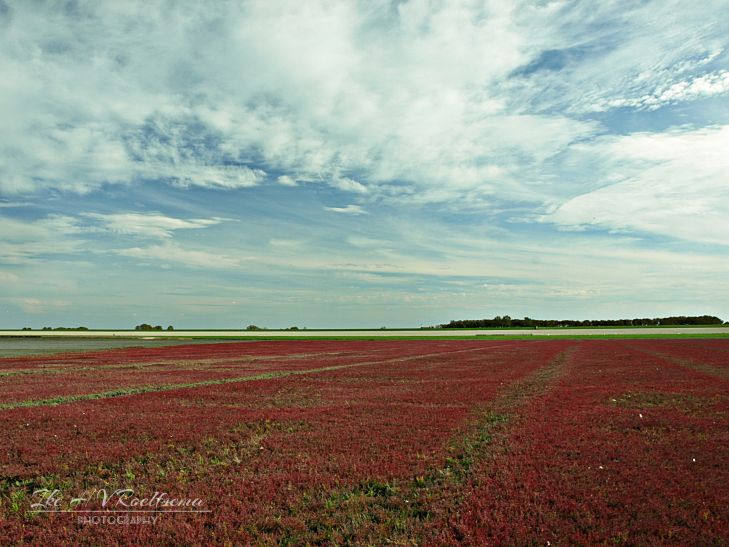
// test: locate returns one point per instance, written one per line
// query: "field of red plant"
(369, 442)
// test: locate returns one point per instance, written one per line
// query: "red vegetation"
(624, 445)
(626, 448)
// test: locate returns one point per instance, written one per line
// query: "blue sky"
(361, 164)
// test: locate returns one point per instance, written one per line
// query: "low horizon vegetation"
(527, 322)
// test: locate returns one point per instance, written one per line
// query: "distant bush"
(145, 326)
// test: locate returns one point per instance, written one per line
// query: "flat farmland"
(404, 442)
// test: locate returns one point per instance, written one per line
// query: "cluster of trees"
(145, 326)
(59, 328)
(256, 327)
(507, 321)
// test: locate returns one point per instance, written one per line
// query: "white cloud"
(18, 231)
(588, 56)
(674, 184)
(350, 209)
(348, 185)
(171, 252)
(286, 180)
(285, 244)
(7, 277)
(212, 177)
(400, 94)
(374, 278)
(149, 224)
(34, 306)
(13, 204)
(23, 241)
(422, 101)
(701, 86)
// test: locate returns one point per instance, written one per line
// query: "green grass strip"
(692, 364)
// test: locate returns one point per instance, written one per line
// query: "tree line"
(58, 328)
(146, 326)
(506, 321)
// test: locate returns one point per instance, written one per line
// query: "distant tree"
(293, 328)
(170, 328)
(147, 327)
(27, 328)
(253, 327)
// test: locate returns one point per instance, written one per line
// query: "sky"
(361, 164)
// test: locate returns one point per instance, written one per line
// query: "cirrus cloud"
(674, 184)
(148, 224)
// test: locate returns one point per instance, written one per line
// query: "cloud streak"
(174, 253)
(350, 209)
(148, 224)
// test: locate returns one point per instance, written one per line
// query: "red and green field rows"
(376, 442)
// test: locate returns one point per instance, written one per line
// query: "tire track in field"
(183, 364)
(138, 390)
(489, 442)
(711, 370)
(410, 505)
